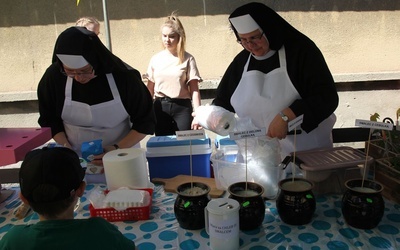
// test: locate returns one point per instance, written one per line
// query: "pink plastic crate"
(16, 142)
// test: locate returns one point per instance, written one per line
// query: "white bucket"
(222, 223)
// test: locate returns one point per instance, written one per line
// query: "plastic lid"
(332, 158)
(224, 141)
(166, 141)
(222, 206)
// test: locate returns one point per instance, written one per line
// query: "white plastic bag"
(216, 119)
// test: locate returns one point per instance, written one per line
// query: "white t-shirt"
(171, 78)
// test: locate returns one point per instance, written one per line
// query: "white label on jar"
(223, 229)
(373, 124)
(295, 122)
(236, 135)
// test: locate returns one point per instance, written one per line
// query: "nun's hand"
(278, 128)
(98, 159)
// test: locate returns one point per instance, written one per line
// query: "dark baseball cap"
(50, 174)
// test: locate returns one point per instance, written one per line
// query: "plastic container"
(129, 214)
(330, 168)
(169, 157)
(227, 172)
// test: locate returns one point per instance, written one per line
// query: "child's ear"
(81, 189)
(23, 199)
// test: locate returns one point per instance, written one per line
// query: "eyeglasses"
(82, 74)
(252, 40)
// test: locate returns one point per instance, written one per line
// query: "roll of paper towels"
(126, 168)
(216, 119)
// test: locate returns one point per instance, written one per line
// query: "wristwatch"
(284, 117)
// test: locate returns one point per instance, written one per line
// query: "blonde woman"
(90, 23)
(173, 81)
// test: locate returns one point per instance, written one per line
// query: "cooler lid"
(224, 141)
(169, 141)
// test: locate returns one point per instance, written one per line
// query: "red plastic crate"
(129, 214)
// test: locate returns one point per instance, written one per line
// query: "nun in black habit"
(280, 75)
(88, 93)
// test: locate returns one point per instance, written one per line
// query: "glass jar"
(296, 202)
(252, 206)
(362, 203)
(190, 203)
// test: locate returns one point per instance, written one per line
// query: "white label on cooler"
(190, 134)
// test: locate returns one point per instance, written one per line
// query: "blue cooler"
(224, 141)
(227, 147)
(169, 157)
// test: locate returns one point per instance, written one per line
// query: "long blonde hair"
(172, 21)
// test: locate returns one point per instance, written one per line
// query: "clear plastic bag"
(262, 156)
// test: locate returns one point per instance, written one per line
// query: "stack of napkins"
(122, 199)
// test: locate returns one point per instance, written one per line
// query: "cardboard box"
(169, 157)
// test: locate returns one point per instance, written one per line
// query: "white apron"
(108, 121)
(262, 96)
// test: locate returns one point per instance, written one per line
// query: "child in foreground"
(51, 182)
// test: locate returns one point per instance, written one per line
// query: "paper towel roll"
(126, 168)
(216, 119)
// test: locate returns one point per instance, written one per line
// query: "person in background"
(173, 81)
(51, 182)
(278, 76)
(90, 23)
(88, 93)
